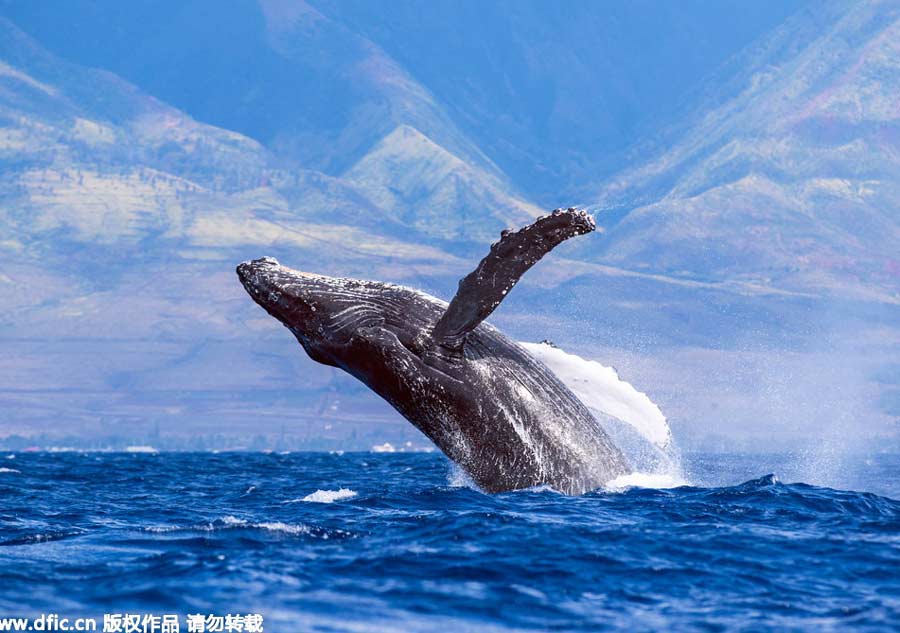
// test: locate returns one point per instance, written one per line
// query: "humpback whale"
(484, 400)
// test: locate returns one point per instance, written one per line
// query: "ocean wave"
(9, 470)
(286, 528)
(230, 522)
(326, 496)
(422, 555)
(658, 481)
(767, 493)
(44, 537)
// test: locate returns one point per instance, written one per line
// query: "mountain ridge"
(412, 177)
(795, 157)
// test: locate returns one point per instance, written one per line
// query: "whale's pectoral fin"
(380, 348)
(377, 342)
(383, 358)
(482, 290)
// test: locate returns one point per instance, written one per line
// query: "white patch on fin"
(600, 388)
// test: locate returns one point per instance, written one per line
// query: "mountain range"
(741, 158)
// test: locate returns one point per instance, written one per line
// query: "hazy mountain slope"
(277, 71)
(88, 158)
(318, 96)
(559, 94)
(793, 181)
(424, 186)
(77, 114)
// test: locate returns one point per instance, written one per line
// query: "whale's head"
(322, 312)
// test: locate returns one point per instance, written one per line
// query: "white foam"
(286, 528)
(600, 388)
(633, 421)
(458, 478)
(229, 519)
(9, 470)
(229, 522)
(162, 529)
(659, 481)
(328, 496)
(11, 456)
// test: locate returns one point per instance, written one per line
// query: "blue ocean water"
(399, 547)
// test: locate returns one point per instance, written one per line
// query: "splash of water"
(659, 481)
(328, 496)
(636, 424)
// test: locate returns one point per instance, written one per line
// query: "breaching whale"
(487, 403)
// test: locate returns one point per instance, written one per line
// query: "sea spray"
(636, 424)
(327, 496)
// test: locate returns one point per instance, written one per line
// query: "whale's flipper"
(482, 290)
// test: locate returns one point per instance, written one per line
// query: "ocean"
(399, 542)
